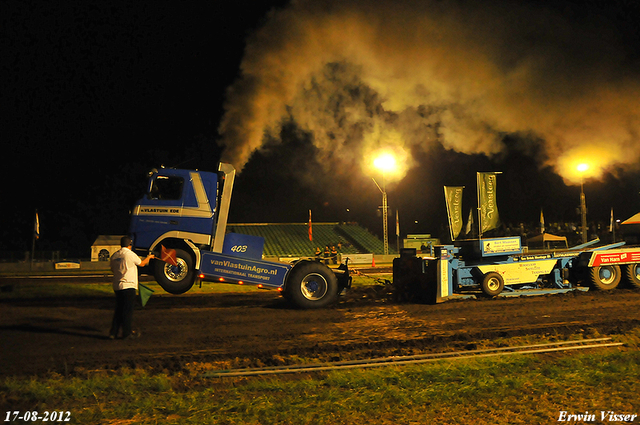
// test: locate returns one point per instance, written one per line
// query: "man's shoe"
(133, 335)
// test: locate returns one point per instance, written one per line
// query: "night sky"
(97, 93)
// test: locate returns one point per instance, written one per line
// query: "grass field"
(508, 390)
(523, 389)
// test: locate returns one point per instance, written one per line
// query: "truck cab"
(181, 211)
(185, 212)
(178, 204)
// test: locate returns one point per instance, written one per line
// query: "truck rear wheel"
(311, 285)
(175, 279)
(605, 277)
(633, 275)
(492, 284)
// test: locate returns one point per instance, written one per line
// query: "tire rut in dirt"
(259, 329)
(327, 352)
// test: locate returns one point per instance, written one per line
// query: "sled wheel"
(175, 279)
(311, 285)
(492, 284)
(633, 275)
(605, 277)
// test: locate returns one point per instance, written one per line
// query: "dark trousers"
(123, 315)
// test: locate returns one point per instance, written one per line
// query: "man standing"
(124, 265)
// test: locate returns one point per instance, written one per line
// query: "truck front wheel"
(605, 277)
(311, 285)
(492, 284)
(633, 275)
(175, 279)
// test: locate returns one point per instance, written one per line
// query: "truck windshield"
(166, 187)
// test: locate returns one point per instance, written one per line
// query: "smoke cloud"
(401, 75)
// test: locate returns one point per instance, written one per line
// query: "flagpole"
(397, 232)
(612, 225)
(33, 250)
(36, 231)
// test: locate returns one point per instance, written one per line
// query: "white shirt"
(125, 271)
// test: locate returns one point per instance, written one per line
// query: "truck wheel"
(311, 285)
(175, 279)
(633, 275)
(605, 277)
(492, 284)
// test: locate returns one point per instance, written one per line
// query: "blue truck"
(186, 212)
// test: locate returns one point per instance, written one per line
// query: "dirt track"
(255, 329)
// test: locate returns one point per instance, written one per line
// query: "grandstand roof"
(292, 239)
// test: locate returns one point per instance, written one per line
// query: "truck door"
(198, 206)
(159, 212)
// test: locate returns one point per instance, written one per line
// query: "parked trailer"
(184, 212)
(494, 265)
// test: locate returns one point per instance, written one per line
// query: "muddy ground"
(68, 335)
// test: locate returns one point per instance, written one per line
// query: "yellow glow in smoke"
(586, 162)
(392, 161)
(582, 167)
(385, 162)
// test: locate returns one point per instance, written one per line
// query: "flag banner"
(542, 229)
(611, 222)
(36, 226)
(489, 218)
(310, 228)
(453, 199)
(397, 224)
(169, 256)
(145, 293)
(469, 222)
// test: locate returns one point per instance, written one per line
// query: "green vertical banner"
(469, 223)
(487, 206)
(453, 199)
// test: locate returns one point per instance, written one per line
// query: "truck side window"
(166, 188)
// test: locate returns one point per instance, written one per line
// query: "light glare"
(385, 162)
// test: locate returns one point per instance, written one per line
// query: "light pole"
(385, 207)
(385, 162)
(583, 202)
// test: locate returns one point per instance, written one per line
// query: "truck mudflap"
(343, 276)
